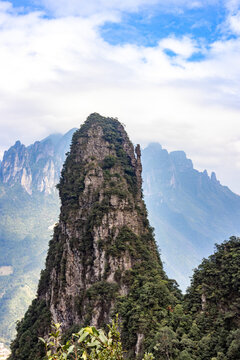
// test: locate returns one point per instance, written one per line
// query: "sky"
(169, 70)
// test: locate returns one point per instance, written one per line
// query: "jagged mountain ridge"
(189, 210)
(36, 167)
(103, 257)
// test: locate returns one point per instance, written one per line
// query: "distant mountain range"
(189, 210)
(36, 167)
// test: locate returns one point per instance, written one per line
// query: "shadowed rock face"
(103, 252)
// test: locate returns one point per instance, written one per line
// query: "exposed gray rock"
(36, 167)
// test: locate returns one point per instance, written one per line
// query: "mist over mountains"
(189, 210)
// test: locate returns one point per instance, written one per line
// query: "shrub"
(87, 344)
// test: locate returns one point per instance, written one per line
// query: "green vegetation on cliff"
(35, 322)
(103, 258)
(213, 300)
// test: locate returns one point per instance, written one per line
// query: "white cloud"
(184, 47)
(83, 8)
(54, 72)
(232, 5)
(5, 6)
(233, 23)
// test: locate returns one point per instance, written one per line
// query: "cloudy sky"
(169, 70)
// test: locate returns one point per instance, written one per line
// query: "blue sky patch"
(170, 53)
(148, 28)
(25, 6)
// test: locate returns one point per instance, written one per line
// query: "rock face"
(102, 257)
(36, 167)
(101, 196)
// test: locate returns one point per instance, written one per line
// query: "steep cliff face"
(102, 258)
(100, 190)
(36, 167)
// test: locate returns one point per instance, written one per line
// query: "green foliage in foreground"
(92, 344)
(88, 344)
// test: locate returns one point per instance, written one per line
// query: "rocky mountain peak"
(100, 191)
(15, 167)
(180, 160)
(214, 178)
(18, 144)
(103, 257)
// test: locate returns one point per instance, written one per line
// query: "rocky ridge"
(36, 167)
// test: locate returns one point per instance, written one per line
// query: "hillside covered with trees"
(204, 325)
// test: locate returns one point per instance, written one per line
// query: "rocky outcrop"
(105, 202)
(102, 257)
